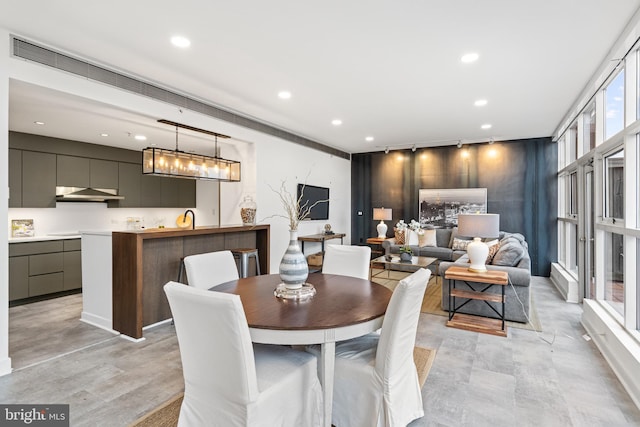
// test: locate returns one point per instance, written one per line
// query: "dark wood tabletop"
(339, 301)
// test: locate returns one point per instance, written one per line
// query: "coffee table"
(393, 263)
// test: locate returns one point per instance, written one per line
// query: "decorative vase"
(293, 267)
(248, 210)
(405, 256)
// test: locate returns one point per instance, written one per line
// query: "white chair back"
(399, 328)
(347, 260)
(215, 346)
(210, 269)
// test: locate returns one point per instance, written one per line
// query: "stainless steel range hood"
(83, 194)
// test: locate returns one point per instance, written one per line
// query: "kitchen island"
(144, 260)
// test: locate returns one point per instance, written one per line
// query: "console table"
(321, 238)
(471, 322)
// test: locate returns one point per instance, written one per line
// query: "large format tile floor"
(555, 378)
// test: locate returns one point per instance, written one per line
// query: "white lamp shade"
(477, 226)
(382, 214)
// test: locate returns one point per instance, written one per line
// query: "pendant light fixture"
(179, 164)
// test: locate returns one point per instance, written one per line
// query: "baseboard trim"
(619, 348)
(565, 283)
(5, 366)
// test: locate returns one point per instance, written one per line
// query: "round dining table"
(343, 307)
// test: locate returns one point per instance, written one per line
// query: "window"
(614, 271)
(614, 99)
(573, 194)
(572, 144)
(589, 134)
(614, 185)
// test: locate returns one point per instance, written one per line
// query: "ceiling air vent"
(42, 55)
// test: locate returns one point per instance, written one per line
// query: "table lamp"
(382, 214)
(478, 226)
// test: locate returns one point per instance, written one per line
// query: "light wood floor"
(555, 378)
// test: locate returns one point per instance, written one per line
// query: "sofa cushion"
(510, 253)
(454, 234)
(460, 244)
(427, 238)
(443, 237)
(444, 254)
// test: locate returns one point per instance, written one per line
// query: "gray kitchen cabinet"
(150, 191)
(169, 192)
(72, 270)
(186, 193)
(15, 178)
(104, 174)
(73, 171)
(129, 185)
(18, 277)
(45, 267)
(38, 180)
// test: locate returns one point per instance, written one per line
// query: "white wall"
(5, 362)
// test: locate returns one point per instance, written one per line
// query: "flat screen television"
(311, 194)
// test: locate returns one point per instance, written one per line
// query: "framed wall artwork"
(439, 208)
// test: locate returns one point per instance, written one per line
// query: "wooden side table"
(376, 246)
(471, 322)
(321, 238)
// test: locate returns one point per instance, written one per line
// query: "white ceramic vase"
(293, 267)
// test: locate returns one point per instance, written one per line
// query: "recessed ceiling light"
(486, 126)
(180, 41)
(480, 103)
(285, 94)
(39, 123)
(369, 138)
(469, 57)
(140, 138)
(104, 134)
(336, 122)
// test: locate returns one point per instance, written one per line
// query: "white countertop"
(43, 238)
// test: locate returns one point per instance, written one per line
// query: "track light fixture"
(491, 141)
(386, 150)
(413, 148)
(459, 144)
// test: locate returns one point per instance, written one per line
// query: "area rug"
(432, 304)
(166, 415)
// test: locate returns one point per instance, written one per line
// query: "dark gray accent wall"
(520, 178)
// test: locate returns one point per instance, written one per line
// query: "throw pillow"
(427, 239)
(399, 235)
(454, 234)
(411, 237)
(493, 250)
(460, 244)
(509, 254)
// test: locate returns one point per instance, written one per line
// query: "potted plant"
(406, 253)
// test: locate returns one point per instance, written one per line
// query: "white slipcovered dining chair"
(376, 382)
(347, 260)
(210, 269)
(227, 380)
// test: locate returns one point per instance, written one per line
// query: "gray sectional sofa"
(443, 251)
(512, 257)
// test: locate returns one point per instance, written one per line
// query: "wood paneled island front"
(144, 260)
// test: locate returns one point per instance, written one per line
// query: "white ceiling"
(389, 69)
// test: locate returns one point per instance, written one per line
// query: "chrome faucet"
(193, 218)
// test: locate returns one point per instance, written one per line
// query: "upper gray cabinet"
(38, 180)
(15, 178)
(75, 171)
(38, 164)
